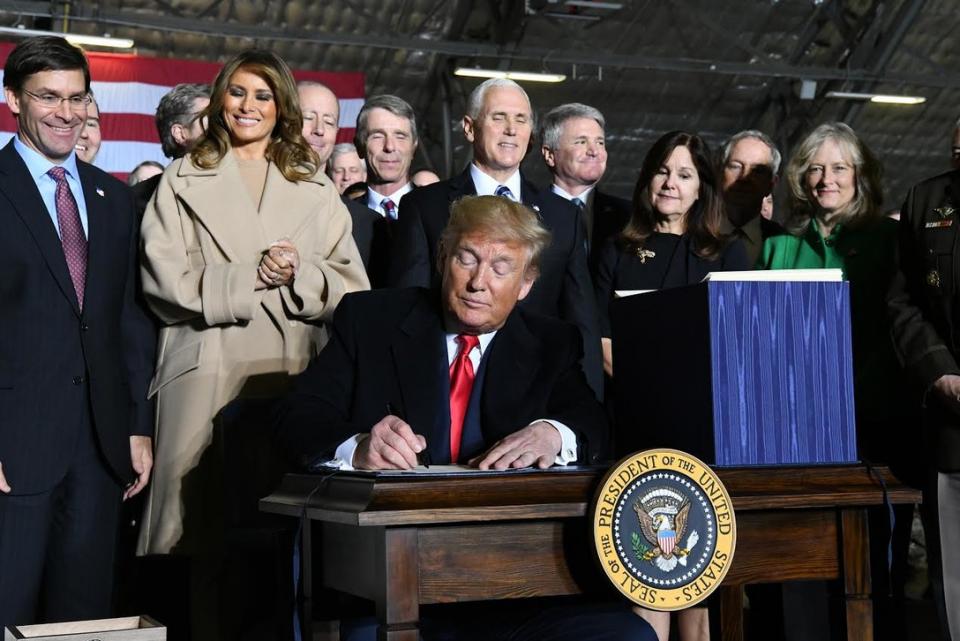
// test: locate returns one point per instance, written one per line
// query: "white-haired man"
(499, 124)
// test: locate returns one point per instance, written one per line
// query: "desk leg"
(731, 613)
(306, 581)
(856, 574)
(398, 603)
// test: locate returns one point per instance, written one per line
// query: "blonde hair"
(287, 149)
(868, 199)
(502, 220)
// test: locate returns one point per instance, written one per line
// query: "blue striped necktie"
(505, 192)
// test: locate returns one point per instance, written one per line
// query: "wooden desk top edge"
(393, 501)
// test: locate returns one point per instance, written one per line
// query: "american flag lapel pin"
(99, 192)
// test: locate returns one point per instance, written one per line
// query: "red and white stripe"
(129, 87)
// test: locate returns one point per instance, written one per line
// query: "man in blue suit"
(499, 124)
(76, 352)
(464, 374)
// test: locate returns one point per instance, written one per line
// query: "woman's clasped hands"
(278, 265)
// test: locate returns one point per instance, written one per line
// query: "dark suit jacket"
(563, 289)
(770, 228)
(57, 363)
(143, 192)
(610, 216)
(923, 303)
(372, 233)
(387, 348)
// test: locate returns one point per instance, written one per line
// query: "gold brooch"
(945, 212)
(644, 254)
(933, 278)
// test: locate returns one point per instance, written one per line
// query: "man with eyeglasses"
(180, 123)
(76, 355)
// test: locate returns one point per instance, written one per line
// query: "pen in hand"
(423, 457)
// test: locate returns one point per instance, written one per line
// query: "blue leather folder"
(736, 373)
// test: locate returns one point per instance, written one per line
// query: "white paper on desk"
(461, 470)
(779, 275)
(435, 469)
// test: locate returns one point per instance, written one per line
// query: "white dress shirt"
(487, 186)
(375, 198)
(343, 457)
(584, 195)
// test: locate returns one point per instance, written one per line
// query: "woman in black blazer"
(673, 237)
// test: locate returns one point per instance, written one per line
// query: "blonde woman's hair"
(868, 199)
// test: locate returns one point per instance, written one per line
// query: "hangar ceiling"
(709, 66)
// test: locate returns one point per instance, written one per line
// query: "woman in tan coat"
(247, 250)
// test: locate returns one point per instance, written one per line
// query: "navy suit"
(563, 289)
(73, 389)
(388, 348)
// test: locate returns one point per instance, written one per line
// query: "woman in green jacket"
(836, 221)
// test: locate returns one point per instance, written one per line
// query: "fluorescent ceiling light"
(877, 97)
(572, 16)
(590, 4)
(73, 38)
(899, 100)
(520, 76)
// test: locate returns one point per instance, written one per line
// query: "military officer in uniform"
(924, 313)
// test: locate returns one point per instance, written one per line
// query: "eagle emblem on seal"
(663, 515)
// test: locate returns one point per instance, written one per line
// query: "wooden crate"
(141, 628)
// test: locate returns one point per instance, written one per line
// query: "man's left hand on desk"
(536, 444)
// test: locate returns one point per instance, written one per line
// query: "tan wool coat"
(203, 238)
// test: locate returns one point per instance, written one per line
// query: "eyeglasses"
(53, 101)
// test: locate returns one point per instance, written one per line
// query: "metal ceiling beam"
(781, 87)
(539, 55)
(898, 28)
(859, 42)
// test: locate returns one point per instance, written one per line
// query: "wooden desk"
(406, 541)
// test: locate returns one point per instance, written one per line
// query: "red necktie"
(71, 232)
(461, 383)
(390, 208)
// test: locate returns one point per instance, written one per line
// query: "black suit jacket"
(387, 348)
(770, 228)
(610, 216)
(56, 363)
(372, 233)
(922, 302)
(143, 192)
(563, 290)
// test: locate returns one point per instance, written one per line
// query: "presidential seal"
(664, 529)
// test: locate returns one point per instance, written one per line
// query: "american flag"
(129, 87)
